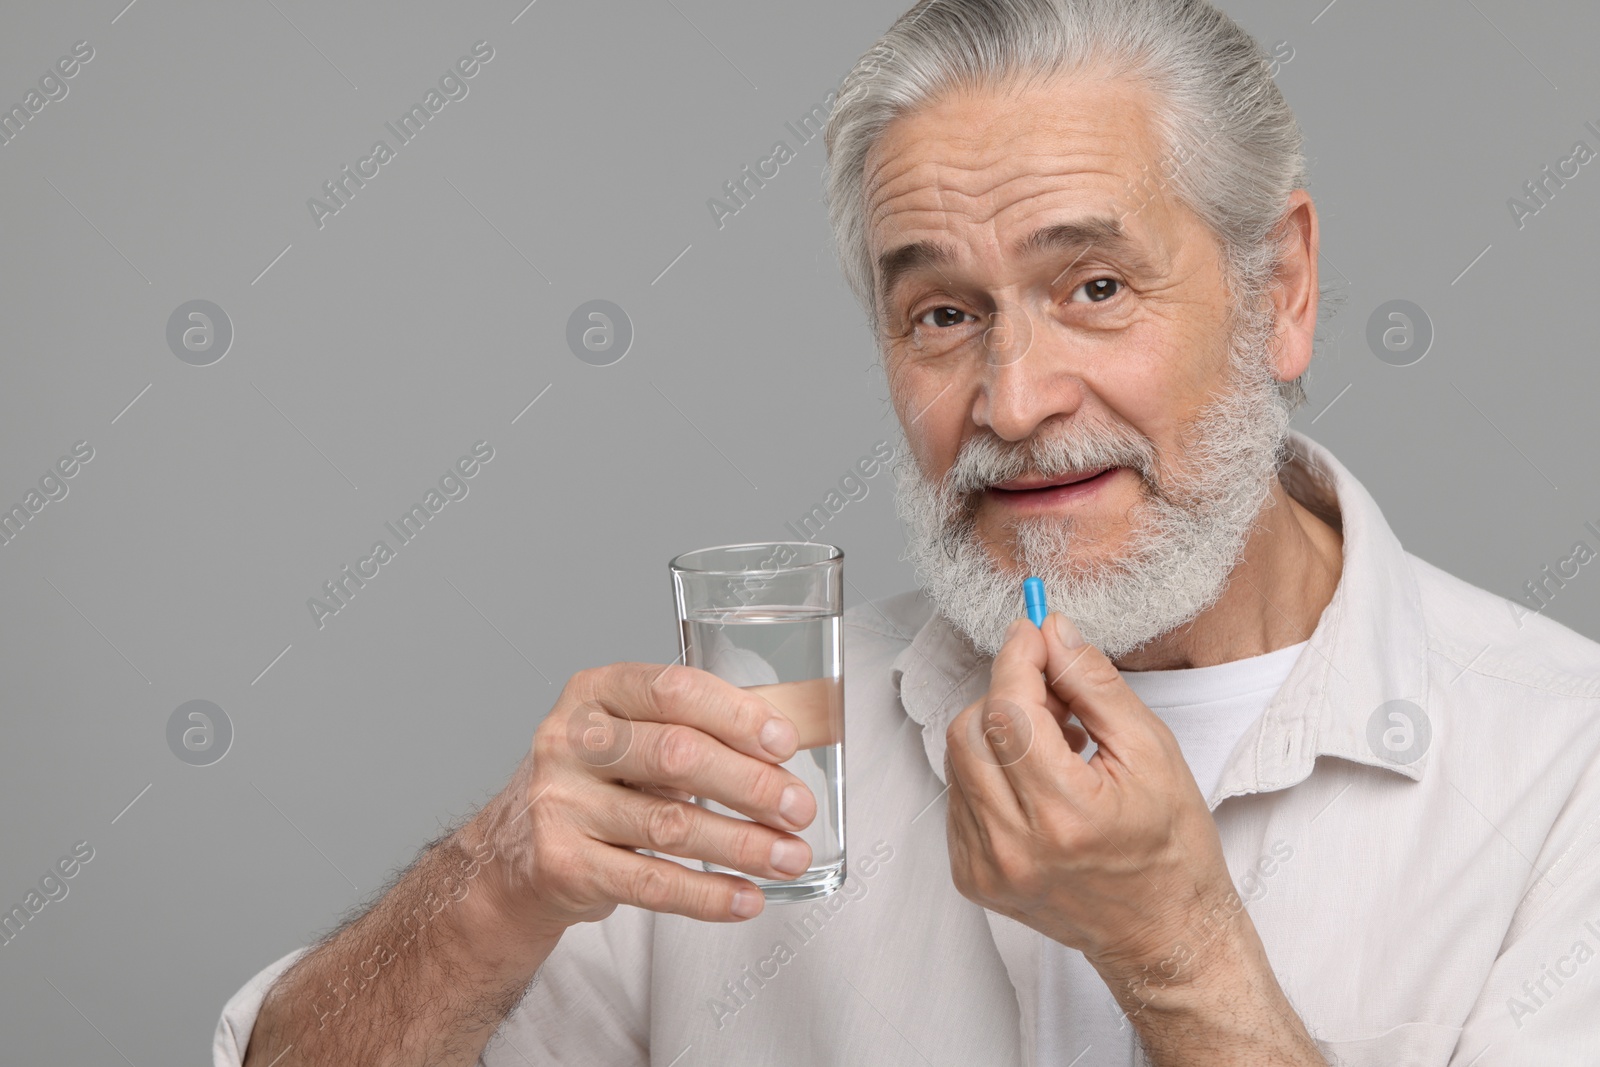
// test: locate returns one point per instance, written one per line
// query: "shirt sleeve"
(239, 1014)
(1542, 998)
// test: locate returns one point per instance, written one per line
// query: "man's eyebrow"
(1096, 232)
(1080, 236)
(907, 259)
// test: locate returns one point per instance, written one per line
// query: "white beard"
(1186, 539)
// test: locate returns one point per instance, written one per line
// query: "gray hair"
(1232, 148)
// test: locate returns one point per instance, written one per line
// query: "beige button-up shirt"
(1413, 824)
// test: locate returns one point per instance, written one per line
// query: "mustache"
(986, 460)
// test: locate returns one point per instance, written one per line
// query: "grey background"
(430, 311)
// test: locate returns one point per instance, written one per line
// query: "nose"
(1024, 377)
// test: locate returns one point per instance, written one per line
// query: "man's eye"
(1098, 291)
(943, 317)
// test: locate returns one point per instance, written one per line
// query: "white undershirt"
(1208, 709)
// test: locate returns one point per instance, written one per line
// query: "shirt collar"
(1368, 648)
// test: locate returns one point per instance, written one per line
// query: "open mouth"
(1035, 491)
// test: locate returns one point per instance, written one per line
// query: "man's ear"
(1294, 293)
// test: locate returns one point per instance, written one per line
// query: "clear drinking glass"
(766, 617)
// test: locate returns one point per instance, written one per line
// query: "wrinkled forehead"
(997, 156)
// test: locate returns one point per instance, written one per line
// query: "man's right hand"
(611, 769)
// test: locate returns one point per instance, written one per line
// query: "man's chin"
(1082, 562)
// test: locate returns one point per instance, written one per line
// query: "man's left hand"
(1116, 856)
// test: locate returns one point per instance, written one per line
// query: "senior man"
(1340, 806)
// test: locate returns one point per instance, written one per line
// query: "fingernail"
(1066, 632)
(746, 904)
(778, 736)
(792, 805)
(790, 856)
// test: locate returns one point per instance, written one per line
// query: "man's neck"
(1275, 595)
